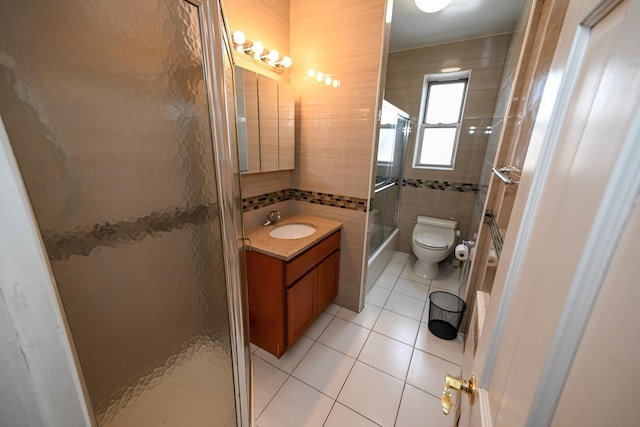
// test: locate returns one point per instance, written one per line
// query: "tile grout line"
(367, 340)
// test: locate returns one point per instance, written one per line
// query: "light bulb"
(257, 49)
(311, 72)
(432, 6)
(319, 77)
(328, 80)
(239, 37)
(286, 63)
(336, 83)
(273, 56)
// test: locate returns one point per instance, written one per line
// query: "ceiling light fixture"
(432, 6)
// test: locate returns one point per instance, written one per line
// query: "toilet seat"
(432, 241)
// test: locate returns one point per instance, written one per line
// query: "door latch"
(455, 383)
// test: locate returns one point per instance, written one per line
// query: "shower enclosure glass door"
(108, 106)
(394, 129)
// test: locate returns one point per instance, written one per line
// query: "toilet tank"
(444, 223)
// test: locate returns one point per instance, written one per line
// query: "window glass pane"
(437, 146)
(444, 103)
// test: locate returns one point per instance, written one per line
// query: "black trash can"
(445, 314)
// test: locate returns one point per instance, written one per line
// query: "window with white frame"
(442, 105)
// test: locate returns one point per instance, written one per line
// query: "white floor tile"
(296, 405)
(386, 281)
(412, 289)
(369, 390)
(427, 372)
(447, 270)
(450, 284)
(267, 380)
(396, 326)
(372, 393)
(418, 408)
(318, 326)
(332, 309)
(324, 369)
(405, 305)
(400, 257)
(344, 336)
(450, 350)
(393, 269)
(377, 296)
(290, 358)
(341, 416)
(366, 318)
(386, 354)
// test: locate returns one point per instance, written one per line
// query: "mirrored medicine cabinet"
(266, 122)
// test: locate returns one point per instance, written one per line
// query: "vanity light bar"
(322, 78)
(259, 52)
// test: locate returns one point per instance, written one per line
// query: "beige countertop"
(286, 249)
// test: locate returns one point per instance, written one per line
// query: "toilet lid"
(432, 241)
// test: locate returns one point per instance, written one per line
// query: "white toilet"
(433, 240)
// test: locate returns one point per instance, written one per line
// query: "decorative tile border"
(338, 201)
(314, 197)
(439, 185)
(263, 200)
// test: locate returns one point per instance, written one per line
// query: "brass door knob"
(447, 401)
(455, 383)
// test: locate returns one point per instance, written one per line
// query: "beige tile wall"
(255, 184)
(405, 74)
(335, 128)
(344, 38)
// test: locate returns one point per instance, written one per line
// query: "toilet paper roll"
(492, 258)
(462, 252)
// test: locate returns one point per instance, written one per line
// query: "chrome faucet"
(272, 218)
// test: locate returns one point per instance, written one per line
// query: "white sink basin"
(292, 231)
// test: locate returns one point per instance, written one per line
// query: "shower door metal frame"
(216, 46)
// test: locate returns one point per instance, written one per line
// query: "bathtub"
(381, 257)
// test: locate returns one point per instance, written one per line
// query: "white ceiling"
(462, 19)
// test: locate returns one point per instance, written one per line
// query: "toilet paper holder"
(469, 243)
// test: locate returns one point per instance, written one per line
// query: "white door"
(560, 345)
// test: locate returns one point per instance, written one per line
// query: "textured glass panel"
(105, 105)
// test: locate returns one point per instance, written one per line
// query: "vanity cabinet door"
(327, 281)
(301, 312)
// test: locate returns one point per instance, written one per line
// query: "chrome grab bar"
(503, 174)
(391, 184)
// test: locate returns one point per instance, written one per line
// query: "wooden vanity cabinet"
(285, 297)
